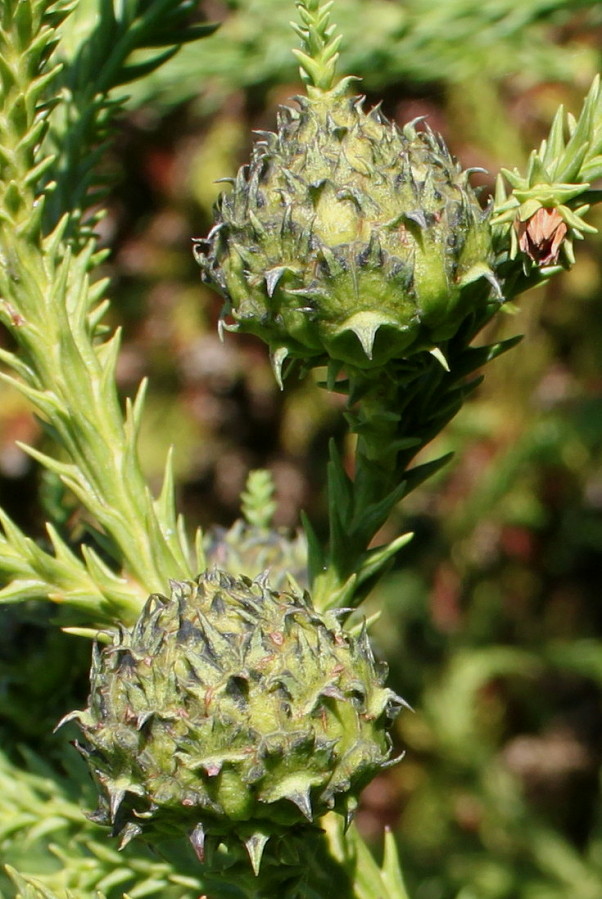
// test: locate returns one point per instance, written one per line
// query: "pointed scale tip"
(365, 326)
(366, 337)
(255, 846)
(417, 216)
(303, 803)
(143, 717)
(440, 357)
(409, 129)
(115, 800)
(390, 763)
(129, 832)
(70, 716)
(278, 359)
(272, 277)
(349, 816)
(197, 841)
(497, 287)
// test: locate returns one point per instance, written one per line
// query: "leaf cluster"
(60, 854)
(559, 176)
(53, 309)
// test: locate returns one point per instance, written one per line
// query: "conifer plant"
(236, 707)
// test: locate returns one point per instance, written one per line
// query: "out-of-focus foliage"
(385, 41)
(491, 620)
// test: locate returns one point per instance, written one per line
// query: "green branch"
(123, 42)
(53, 309)
(320, 44)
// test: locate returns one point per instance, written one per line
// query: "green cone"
(233, 713)
(346, 237)
(244, 549)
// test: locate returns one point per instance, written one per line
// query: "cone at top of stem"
(346, 239)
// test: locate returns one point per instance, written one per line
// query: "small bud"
(541, 236)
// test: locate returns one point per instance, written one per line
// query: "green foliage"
(59, 853)
(489, 619)
(385, 43)
(117, 44)
(319, 54)
(370, 881)
(559, 177)
(257, 499)
(52, 310)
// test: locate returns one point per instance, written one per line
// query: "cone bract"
(232, 712)
(346, 237)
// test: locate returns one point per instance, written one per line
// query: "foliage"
(488, 618)
(44, 834)
(416, 42)
(54, 314)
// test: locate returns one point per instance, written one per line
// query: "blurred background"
(492, 619)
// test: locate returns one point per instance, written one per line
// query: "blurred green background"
(491, 621)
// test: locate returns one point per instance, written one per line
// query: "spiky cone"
(348, 238)
(235, 714)
(245, 549)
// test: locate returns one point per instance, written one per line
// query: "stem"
(395, 415)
